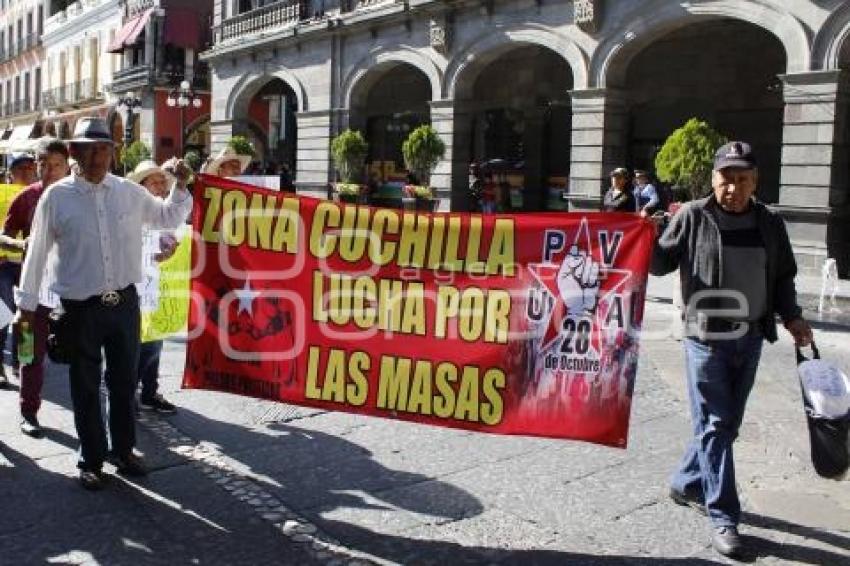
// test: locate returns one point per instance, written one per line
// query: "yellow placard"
(7, 195)
(171, 315)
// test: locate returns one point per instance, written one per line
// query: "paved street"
(241, 481)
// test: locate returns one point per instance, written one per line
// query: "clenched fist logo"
(578, 282)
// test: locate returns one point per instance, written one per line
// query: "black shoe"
(129, 465)
(4, 381)
(688, 501)
(31, 427)
(158, 404)
(726, 541)
(92, 480)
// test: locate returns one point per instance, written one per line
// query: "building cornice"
(86, 22)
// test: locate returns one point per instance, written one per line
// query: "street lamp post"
(182, 97)
(129, 101)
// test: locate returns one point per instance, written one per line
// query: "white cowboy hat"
(226, 154)
(147, 168)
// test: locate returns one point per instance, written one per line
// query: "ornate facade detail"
(587, 14)
(440, 35)
(135, 7)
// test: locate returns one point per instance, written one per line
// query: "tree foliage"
(349, 150)
(686, 158)
(134, 154)
(423, 149)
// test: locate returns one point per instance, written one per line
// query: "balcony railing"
(18, 107)
(267, 18)
(72, 93)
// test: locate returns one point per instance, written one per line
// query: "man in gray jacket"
(737, 272)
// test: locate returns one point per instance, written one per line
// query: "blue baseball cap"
(18, 158)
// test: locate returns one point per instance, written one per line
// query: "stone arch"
(251, 83)
(364, 74)
(831, 39)
(485, 48)
(612, 57)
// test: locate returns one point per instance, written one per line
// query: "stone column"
(313, 161)
(598, 143)
(220, 133)
(814, 195)
(442, 120)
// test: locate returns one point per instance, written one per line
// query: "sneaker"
(726, 541)
(31, 427)
(129, 465)
(687, 500)
(92, 480)
(158, 404)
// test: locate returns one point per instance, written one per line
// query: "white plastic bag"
(826, 387)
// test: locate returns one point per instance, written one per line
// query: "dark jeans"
(10, 273)
(720, 376)
(32, 375)
(115, 331)
(149, 368)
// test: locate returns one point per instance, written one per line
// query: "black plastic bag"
(828, 437)
(59, 337)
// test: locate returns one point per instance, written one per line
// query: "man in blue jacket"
(737, 272)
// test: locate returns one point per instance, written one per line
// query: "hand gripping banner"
(509, 324)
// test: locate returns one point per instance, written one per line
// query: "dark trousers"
(115, 331)
(32, 375)
(10, 272)
(149, 368)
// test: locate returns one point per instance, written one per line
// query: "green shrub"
(687, 157)
(134, 154)
(193, 159)
(423, 149)
(349, 150)
(242, 146)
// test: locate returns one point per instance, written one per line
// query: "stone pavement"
(243, 481)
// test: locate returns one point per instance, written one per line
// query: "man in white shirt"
(91, 226)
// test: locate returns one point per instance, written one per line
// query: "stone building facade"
(564, 90)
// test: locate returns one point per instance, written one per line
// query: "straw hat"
(226, 154)
(147, 168)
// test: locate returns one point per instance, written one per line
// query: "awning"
(19, 140)
(183, 29)
(128, 34)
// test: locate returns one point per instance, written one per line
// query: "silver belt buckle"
(110, 299)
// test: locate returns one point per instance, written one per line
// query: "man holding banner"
(94, 223)
(737, 271)
(52, 161)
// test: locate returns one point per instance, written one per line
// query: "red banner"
(510, 324)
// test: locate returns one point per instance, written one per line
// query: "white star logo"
(246, 297)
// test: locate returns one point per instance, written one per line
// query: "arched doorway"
(700, 70)
(268, 119)
(198, 137)
(838, 225)
(513, 113)
(388, 103)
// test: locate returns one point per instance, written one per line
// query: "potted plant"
(423, 149)
(349, 150)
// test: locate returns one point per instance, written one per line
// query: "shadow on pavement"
(761, 547)
(402, 550)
